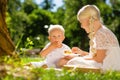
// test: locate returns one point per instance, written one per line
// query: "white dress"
(104, 39)
(53, 57)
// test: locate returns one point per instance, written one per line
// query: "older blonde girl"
(104, 51)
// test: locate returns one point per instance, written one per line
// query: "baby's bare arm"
(50, 48)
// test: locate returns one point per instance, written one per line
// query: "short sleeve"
(101, 41)
(105, 38)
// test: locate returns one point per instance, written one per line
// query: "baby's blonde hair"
(56, 27)
(88, 11)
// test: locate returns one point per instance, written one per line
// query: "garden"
(23, 34)
(15, 69)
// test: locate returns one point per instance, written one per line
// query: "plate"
(76, 55)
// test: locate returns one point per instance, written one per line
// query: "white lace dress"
(104, 39)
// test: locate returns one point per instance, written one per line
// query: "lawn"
(15, 69)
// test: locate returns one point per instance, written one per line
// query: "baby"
(55, 49)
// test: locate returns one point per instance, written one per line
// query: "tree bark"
(6, 45)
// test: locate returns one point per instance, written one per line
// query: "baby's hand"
(55, 44)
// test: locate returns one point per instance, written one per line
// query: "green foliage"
(115, 17)
(26, 59)
(59, 15)
(28, 6)
(13, 8)
(35, 26)
(26, 22)
(27, 19)
(37, 20)
(47, 4)
(75, 35)
(29, 44)
(16, 25)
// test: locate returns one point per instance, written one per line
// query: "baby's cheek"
(53, 40)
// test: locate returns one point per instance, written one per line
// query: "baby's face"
(56, 36)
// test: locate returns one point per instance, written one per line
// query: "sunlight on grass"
(16, 71)
(25, 60)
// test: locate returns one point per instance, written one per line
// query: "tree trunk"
(6, 45)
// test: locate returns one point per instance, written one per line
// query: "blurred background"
(28, 20)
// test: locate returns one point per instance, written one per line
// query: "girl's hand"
(79, 51)
(76, 50)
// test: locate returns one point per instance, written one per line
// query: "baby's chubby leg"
(63, 61)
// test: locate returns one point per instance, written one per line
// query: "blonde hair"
(93, 13)
(88, 11)
(56, 27)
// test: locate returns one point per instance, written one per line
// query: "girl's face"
(85, 24)
(56, 36)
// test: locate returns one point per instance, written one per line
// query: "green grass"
(25, 60)
(16, 71)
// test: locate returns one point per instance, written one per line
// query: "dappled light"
(24, 33)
